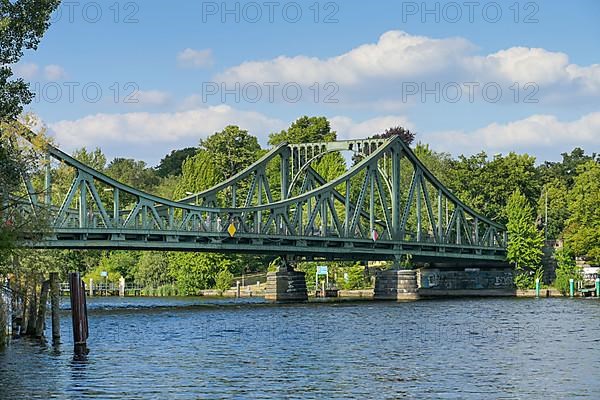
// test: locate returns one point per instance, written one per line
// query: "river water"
(191, 348)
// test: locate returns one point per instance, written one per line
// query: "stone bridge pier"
(396, 284)
(286, 284)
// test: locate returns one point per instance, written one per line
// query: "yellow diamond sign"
(231, 229)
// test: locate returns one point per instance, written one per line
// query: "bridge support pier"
(286, 285)
(396, 284)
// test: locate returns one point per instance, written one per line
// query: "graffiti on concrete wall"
(466, 279)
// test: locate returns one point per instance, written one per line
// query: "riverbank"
(367, 294)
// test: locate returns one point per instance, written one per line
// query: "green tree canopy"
(197, 271)
(305, 130)
(405, 134)
(565, 170)
(152, 269)
(566, 269)
(22, 24)
(121, 263)
(524, 240)
(483, 184)
(583, 226)
(231, 150)
(95, 158)
(173, 162)
(133, 173)
(198, 173)
(555, 196)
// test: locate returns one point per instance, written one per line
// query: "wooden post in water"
(41, 316)
(78, 313)
(32, 312)
(55, 304)
(25, 307)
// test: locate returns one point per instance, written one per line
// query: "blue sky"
(374, 65)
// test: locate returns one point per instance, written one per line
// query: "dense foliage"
(566, 270)
(22, 24)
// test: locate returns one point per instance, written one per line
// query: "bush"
(567, 269)
(223, 280)
(356, 278)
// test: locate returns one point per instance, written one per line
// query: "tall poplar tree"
(524, 241)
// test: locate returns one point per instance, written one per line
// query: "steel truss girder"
(314, 212)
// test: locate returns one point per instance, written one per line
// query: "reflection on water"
(197, 348)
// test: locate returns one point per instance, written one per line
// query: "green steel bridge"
(387, 205)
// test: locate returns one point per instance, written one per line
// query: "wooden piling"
(55, 305)
(78, 313)
(32, 311)
(25, 307)
(41, 315)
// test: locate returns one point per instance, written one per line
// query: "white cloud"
(149, 136)
(191, 58)
(152, 97)
(26, 70)
(151, 129)
(396, 54)
(54, 72)
(537, 134)
(377, 70)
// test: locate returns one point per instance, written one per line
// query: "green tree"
(330, 166)
(555, 195)
(231, 150)
(133, 173)
(483, 184)
(198, 173)
(566, 269)
(583, 226)
(18, 161)
(95, 158)
(152, 269)
(405, 134)
(196, 271)
(354, 277)
(172, 163)
(524, 240)
(565, 170)
(121, 263)
(223, 280)
(22, 25)
(167, 187)
(305, 130)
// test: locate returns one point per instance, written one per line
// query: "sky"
(141, 78)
